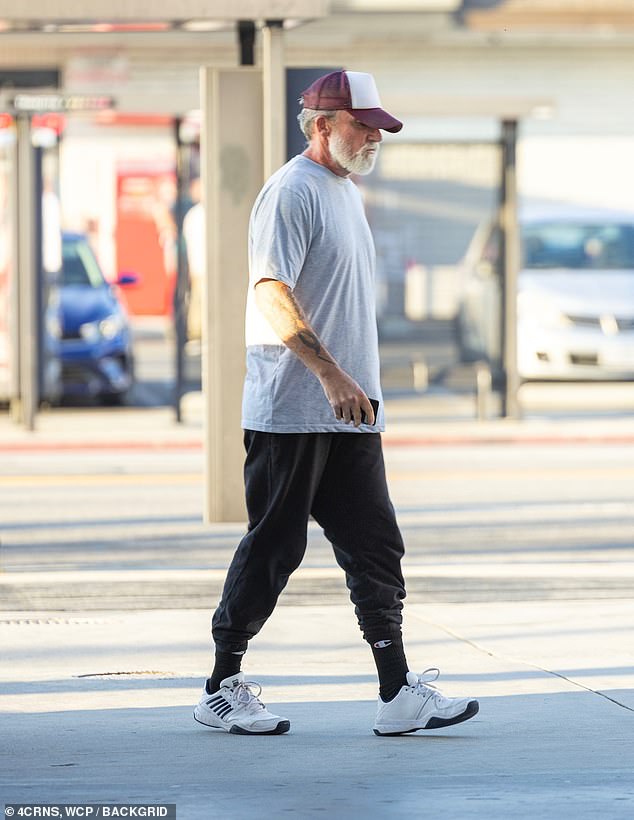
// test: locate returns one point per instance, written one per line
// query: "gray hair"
(307, 116)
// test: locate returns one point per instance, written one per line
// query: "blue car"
(96, 342)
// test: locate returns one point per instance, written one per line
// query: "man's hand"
(346, 398)
(286, 317)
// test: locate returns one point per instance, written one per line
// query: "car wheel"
(115, 399)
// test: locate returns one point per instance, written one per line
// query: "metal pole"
(27, 268)
(484, 387)
(246, 41)
(274, 96)
(41, 283)
(180, 289)
(510, 259)
(14, 291)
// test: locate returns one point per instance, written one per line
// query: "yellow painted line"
(100, 478)
(535, 474)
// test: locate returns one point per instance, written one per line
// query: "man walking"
(312, 413)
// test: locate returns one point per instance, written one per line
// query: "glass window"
(578, 246)
(79, 266)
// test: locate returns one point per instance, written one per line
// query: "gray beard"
(360, 163)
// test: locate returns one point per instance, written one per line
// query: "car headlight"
(111, 326)
(536, 309)
(106, 328)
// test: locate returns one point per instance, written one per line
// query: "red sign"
(146, 236)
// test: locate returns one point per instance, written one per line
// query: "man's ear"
(324, 126)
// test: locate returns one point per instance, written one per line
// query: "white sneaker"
(235, 707)
(421, 706)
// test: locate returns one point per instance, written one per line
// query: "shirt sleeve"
(280, 236)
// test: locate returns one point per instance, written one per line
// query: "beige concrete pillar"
(274, 91)
(232, 175)
(28, 271)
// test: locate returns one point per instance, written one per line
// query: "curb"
(448, 440)
(429, 440)
(92, 444)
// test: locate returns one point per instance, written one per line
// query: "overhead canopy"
(141, 11)
(395, 6)
(514, 15)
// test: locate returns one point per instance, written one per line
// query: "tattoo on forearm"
(310, 340)
(288, 320)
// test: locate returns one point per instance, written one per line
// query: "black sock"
(391, 665)
(226, 664)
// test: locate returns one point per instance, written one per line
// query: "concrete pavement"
(95, 704)
(97, 708)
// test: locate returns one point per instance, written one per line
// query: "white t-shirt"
(308, 229)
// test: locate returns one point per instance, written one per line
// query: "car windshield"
(578, 245)
(79, 266)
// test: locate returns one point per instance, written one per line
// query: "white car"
(575, 301)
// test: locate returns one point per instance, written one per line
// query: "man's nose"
(375, 135)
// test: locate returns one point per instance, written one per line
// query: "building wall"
(581, 152)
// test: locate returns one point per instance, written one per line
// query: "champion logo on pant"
(382, 644)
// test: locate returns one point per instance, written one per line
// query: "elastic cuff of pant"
(241, 647)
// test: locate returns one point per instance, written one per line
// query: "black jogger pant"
(339, 479)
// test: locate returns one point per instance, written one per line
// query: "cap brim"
(376, 118)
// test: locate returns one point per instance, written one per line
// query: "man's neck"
(323, 158)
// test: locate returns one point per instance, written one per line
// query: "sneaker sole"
(282, 727)
(473, 707)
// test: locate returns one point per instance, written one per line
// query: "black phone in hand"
(375, 407)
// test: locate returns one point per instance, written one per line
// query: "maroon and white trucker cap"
(351, 91)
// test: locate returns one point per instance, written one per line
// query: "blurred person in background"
(311, 427)
(194, 236)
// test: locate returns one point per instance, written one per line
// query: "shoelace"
(427, 683)
(244, 695)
